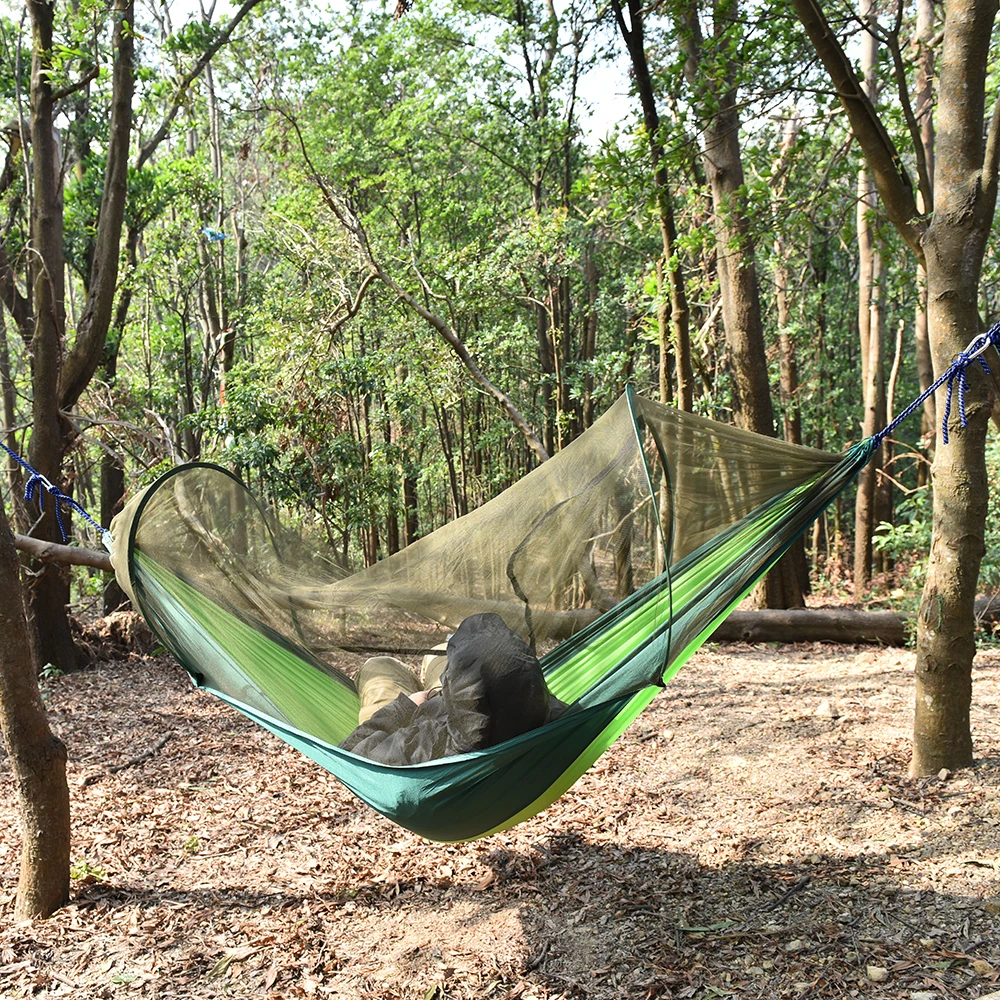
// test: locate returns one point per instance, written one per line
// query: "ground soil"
(738, 841)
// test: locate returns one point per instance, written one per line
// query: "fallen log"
(54, 552)
(885, 628)
(846, 625)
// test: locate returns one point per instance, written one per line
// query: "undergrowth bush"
(908, 541)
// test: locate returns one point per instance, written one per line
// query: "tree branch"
(92, 330)
(458, 346)
(17, 304)
(352, 307)
(991, 160)
(881, 155)
(891, 40)
(149, 147)
(350, 222)
(72, 88)
(70, 554)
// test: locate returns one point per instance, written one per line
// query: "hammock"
(615, 560)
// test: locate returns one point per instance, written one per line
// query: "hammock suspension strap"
(40, 485)
(955, 375)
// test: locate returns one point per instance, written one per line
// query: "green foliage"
(908, 540)
(83, 869)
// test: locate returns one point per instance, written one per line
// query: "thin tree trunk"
(924, 110)
(668, 268)
(588, 349)
(391, 516)
(411, 502)
(789, 378)
(738, 286)
(112, 470)
(869, 324)
(8, 390)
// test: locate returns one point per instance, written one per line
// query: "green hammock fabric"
(616, 558)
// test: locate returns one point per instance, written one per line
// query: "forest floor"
(737, 841)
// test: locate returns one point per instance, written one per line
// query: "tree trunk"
(965, 188)
(410, 502)
(738, 286)
(9, 392)
(942, 735)
(37, 757)
(668, 268)
(112, 471)
(59, 376)
(924, 110)
(789, 378)
(870, 323)
(48, 589)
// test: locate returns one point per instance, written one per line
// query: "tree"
(950, 244)
(668, 268)
(64, 360)
(37, 757)
(60, 374)
(871, 322)
(714, 78)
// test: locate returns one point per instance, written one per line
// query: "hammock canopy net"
(614, 560)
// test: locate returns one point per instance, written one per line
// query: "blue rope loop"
(38, 484)
(955, 376)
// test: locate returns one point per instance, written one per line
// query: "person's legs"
(380, 681)
(432, 667)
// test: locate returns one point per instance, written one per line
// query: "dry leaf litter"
(753, 835)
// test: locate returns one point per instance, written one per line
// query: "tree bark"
(925, 117)
(37, 757)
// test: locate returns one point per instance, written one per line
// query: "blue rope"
(954, 376)
(38, 484)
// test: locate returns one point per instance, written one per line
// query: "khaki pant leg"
(380, 681)
(432, 667)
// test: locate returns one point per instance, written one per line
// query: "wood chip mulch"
(753, 835)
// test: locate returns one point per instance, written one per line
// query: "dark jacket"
(491, 691)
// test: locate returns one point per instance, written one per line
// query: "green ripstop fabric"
(615, 560)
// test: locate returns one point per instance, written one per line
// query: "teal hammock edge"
(472, 795)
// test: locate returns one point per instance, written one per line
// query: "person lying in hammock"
(491, 690)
